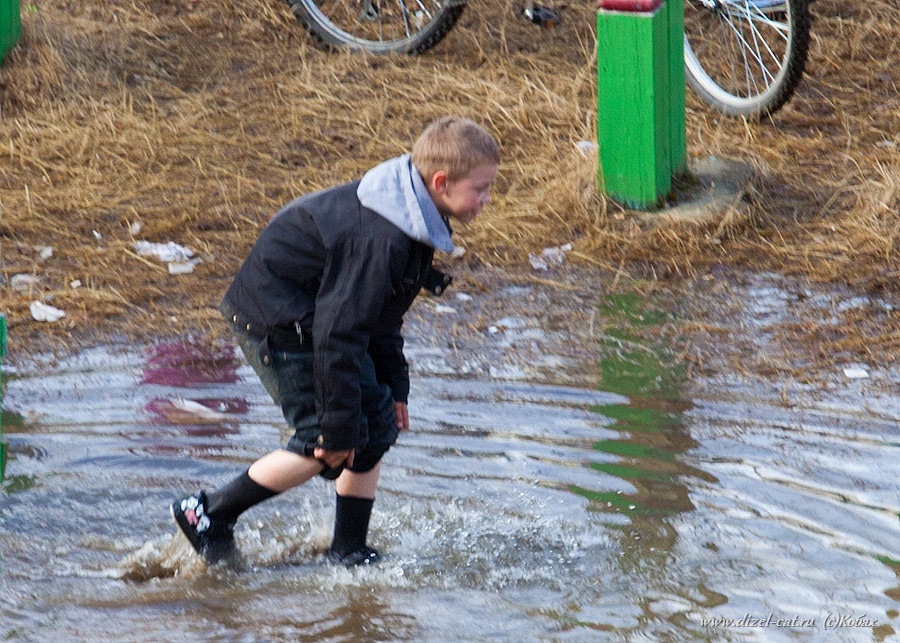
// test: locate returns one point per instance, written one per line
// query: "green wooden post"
(10, 26)
(677, 130)
(2, 353)
(640, 99)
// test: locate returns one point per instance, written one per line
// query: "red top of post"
(631, 6)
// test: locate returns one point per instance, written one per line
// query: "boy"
(317, 308)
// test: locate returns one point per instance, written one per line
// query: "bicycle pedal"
(542, 16)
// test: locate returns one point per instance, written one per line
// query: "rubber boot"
(351, 526)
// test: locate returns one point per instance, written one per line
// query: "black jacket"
(347, 276)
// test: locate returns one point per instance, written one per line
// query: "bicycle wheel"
(378, 26)
(745, 57)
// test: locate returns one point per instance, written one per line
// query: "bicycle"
(742, 57)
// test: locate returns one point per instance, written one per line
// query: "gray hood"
(395, 190)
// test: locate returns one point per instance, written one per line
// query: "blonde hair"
(455, 145)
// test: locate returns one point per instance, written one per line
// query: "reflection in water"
(652, 434)
(10, 420)
(648, 453)
(190, 363)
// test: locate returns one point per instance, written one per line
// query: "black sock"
(229, 502)
(351, 524)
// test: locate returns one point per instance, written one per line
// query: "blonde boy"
(317, 308)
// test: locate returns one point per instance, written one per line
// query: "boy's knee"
(381, 439)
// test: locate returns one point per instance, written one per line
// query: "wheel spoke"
(750, 53)
(425, 10)
(405, 12)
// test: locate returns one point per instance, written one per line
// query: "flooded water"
(637, 506)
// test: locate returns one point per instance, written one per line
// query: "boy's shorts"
(289, 380)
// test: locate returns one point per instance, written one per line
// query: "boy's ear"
(439, 181)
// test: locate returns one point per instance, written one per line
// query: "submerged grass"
(177, 120)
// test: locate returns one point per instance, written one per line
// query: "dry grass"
(198, 120)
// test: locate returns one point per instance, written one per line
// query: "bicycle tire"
(378, 26)
(746, 57)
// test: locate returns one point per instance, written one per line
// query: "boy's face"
(464, 198)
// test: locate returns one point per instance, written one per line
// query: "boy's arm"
(391, 366)
(356, 282)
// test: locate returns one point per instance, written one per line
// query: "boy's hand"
(401, 413)
(335, 458)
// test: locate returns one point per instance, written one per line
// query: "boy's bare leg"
(282, 470)
(358, 485)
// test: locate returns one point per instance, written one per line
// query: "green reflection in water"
(644, 419)
(609, 498)
(11, 419)
(4, 447)
(636, 364)
(893, 563)
(632, 450)
(644, 458)
(636, 473)
(15, 484)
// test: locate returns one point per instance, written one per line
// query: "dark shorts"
(289, 380)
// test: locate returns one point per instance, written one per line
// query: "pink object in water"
(191, 363)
